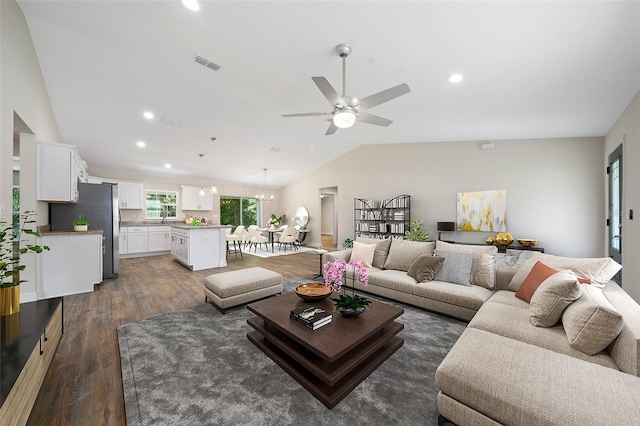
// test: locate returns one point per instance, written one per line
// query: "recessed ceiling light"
(191, 5)
(148, 115)
(456, 78)
(141, 144)
(167, 166)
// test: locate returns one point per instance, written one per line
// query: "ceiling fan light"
(344, 119)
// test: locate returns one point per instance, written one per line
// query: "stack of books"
(311, 316)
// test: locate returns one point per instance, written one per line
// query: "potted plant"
(348, 243)
(416, 233)
(11, 235)
(81, 223)
(335, 272)
(274, 221)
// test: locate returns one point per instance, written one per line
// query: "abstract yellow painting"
(482, 211)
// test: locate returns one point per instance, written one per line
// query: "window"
(238, 211)
(162, 204)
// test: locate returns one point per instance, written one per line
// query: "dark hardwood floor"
(84, 385)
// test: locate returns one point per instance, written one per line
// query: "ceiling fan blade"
(384, 96)
(306, 114)
(365, 117)
(332, 129)
(328, 91)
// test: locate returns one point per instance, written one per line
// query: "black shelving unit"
(382, 219)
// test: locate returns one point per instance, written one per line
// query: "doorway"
(328, 217)
(614, 222)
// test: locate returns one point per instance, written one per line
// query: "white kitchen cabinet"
(72, 265)
(180, 245)
(137, 239)
(131, 195)
(56, 172)
(199, 247)
(122, 241)
(159, 238)
(191, 200)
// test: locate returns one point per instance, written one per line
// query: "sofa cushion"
(470, 297)
(507, 297)
(403, 253)
(392, 279)
(598, 270)
(363, 253)
(425, 268)
(514, 382)
(625, 349)
(538, 274)
(456, 268)
(483, 268)
(591, 322)
(382, 250)
(552, 297)
(512, 321)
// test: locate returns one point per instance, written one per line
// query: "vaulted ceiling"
(531, 70)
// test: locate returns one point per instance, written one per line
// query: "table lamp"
(445, 227)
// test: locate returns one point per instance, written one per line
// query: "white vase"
(80, 227)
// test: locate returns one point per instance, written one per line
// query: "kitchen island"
(199, 247)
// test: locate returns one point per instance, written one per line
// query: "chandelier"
(213, 189)
(265, 196)
(201, 192)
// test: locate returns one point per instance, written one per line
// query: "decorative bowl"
(351, 313)
(504, 238)
(527, 242)
(313, 292)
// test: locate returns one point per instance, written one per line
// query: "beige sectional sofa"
(505, 370)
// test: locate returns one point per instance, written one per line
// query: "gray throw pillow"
(382, 250)
(456, 268)
(425, 268)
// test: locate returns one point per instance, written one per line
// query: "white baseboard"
(28, 297)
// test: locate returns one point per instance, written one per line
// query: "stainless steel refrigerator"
(99, 204)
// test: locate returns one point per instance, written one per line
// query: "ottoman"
(234, 288)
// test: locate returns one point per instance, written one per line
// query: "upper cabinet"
(131, 195)
(58, 167)
(192, 200)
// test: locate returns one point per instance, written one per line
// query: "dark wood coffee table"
(332, 360)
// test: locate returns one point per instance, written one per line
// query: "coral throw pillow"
(538, 274)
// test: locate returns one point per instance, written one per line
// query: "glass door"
(615, 209)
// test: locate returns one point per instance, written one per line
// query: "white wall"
(628, 125)
(23, 92)
(554, 187)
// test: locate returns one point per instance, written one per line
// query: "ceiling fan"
(346, 110)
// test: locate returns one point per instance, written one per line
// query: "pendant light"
(214, 189)
(265, 196)
(201, 192)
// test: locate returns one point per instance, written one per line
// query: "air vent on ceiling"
(207, 63)
(171, 122)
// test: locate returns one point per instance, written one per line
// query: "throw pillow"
(403, 253)
(382, 250)
(456, 268)
(483, 268)
(538, 274)
(591, 322)
(363, 253)
(598, 270)
(425, 268)
(552, 297)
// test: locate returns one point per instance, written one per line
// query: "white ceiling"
(532, 70)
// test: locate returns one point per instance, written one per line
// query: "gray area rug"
(197, 367)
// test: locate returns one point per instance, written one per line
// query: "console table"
(29, 340)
